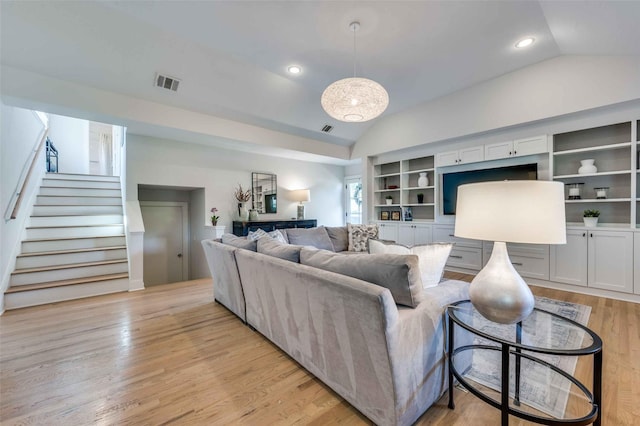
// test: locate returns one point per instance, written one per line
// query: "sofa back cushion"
(272, 247)
(431, 257)
(359, 236)
(316, 237)
(399, 273)
(339, 236)
(240, 242)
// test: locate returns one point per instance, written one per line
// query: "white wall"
(20, 133)
(161, 162)
(552, 88)
(70, 136)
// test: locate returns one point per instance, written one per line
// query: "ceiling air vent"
(166, 82)
(327, 128)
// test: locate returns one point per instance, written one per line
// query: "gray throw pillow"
(240, 242)
(316, 237)
(399, 273)
(432, 257)
(339, 236)
(275, 248)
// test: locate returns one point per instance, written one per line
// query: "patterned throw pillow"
(359, 235)
(431, 257)
(259, 233)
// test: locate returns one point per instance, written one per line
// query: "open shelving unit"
(612, 149)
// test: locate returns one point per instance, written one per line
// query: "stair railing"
(17, 197)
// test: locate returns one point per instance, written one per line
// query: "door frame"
(347, 198)
(185, 229)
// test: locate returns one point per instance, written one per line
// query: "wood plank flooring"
(170, 355)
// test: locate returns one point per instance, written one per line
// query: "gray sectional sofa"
(381, 346)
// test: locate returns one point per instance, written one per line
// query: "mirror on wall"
(264, 190)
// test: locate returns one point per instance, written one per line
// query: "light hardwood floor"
(169, 355)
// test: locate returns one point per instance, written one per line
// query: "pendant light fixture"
(354, 99)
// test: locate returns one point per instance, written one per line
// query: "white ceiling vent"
(327, 128)
(166, 82)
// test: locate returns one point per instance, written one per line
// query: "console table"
(242, 229)
(525, 343)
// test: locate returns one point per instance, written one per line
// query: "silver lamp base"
(498, 292)
(300, 211)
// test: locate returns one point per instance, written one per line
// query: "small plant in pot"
(420, 197)
(590, 218)
(389, 199)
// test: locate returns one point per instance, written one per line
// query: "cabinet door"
(529, 146)
(465, 257)
(611, 260)
(569, 261)
(422, 234)
(406, 234)
(447, 159)
(471, 155)
(636, 257)
(388, 231)
(444, 234)
(495, 151)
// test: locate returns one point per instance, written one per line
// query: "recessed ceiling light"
(294, 69)
(525, 42)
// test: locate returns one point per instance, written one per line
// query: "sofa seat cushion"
(339, 236)
(399, 273)
(240, 242)
(431, 257)
(359, 236)
(275, 248)
(316, 237)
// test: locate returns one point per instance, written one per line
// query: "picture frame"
(384, 215)
(395, 215)
(407, 214)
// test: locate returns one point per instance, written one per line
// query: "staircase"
(75, 244)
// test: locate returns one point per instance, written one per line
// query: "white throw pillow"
(431, 257)
(259, 233)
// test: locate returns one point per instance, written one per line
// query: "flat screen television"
(451, 181)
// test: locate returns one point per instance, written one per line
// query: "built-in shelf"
(595, 200)
(418, 171)
(419, 205)
(387, 205)
(388, 175)
(593, 148)
(387, 190)
(413, 188)
(582, 175)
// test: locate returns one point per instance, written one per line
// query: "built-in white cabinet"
(636, 274)
(411, 234)
(465, 254)
(388, 231)
(595, 258)
(462, 156)
(516, 148)
(530, 260)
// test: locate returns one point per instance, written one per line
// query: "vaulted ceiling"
(232, 56)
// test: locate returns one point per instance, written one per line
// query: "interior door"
(165, 242)
(353, 199)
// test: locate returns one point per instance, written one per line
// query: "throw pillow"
(259, 233)
(240, 242)
(431, 257)
(272, 247)
(359, 236)
(316, 237)
(339, 238)
(399, 273)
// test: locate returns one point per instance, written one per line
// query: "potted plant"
(590, 218)
(389, 199)
(242, 196)
(420, 196)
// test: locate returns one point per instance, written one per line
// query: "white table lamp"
(302, 196)
(527, 211)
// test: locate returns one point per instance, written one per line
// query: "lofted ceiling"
(232, 56)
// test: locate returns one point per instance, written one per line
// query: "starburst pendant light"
(354, 99)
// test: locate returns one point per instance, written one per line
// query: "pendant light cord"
(354, 28)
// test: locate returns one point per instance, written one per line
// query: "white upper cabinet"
(462, 156)
(498, 150)
(516, 148)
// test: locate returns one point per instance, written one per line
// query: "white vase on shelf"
(587, 167)
(423, 180)
(243, 213)
(218, 231)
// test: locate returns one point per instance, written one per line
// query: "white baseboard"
(136, 285)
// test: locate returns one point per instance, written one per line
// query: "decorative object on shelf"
(242, 196)
(214, 217)
(384, 183)
(590, 218)
(407, 214)
(575, 190)
(393, 187)
(420, 197)
(384, 215)
(601, 192)
(264, 191)
(253, 214)
(301, 196)
(423, 180)
(218, 231)
(395, 215)
(587, 167)
(354, 99)
(508, 211)
(389, 200)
